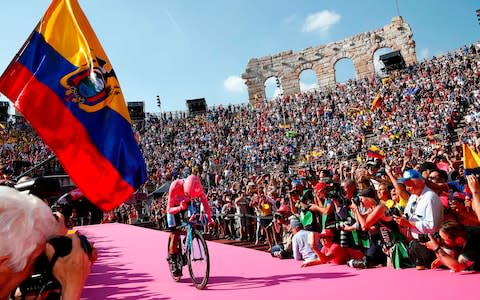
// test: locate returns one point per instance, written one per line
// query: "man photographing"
(423, 215)
(456, 247)
(26, 224)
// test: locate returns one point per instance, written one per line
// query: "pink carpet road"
(132, 265)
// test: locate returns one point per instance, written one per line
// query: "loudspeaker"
(42, 187)
(136, 110)
(4, 111)
(197, 106)
(392, 61)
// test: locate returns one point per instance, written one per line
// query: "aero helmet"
(193, 186)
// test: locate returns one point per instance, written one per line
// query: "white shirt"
(426, 211)
(301, 248)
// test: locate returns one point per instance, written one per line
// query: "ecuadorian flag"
(471, 161)
(64, 85)
(375, 152)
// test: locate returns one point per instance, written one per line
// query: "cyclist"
(179, 195)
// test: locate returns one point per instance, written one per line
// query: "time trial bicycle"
(192, 247)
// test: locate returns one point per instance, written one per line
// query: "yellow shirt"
(265, 209)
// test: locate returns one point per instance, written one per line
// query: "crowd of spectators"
(301, 164)
(261, 163)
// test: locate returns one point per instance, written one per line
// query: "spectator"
(300, 242)
(474, 186)
(282, 247)
(21, 243)
(423, 215)
(457, 247)
(309, 212)
(242, 203)
(370, 221)
(385, 236)
(460, 211)
(266, 215)
(331, 252)
(228, 212)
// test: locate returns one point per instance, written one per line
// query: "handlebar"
(194, 213)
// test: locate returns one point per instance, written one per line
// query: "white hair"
(25, 223)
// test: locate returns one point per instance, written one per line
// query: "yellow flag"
(471, 160)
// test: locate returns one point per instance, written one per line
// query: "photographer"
(330, 251)
(282, 235)
(384, 233)
(456, 247)
(423, 215)
(474, 187)
(26, 223)
(310, 213)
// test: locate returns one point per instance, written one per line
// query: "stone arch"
(336, 63)
(308, 80)
(270, 83)
(378, 52)
(360, 48)
(303, 67)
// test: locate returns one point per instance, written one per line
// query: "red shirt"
(339, 255)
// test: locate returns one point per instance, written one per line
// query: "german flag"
(375, 152)
(471, 161)
(377, 101)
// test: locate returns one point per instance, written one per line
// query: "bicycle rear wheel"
(198, 260)
(176, 277)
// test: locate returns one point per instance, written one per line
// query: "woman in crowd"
(383, 230)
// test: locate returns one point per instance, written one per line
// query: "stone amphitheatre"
(287, 66)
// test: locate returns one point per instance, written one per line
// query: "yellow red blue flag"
(63, 83)
(471, 161)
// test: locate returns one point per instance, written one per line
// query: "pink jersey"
(176, 195)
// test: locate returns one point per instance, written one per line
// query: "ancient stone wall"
(287, 66)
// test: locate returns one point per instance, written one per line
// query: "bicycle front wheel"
(198, 260)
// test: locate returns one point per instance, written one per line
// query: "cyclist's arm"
(176, 189)
(174, 210)
(206, 206)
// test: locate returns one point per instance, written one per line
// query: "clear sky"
(186, 49)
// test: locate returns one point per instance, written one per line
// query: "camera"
(340, 225)
(42, 278)
(424, 238)
(394, 211)
(333, 192)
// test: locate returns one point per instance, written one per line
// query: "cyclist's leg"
(173, 222)
(173, 246)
